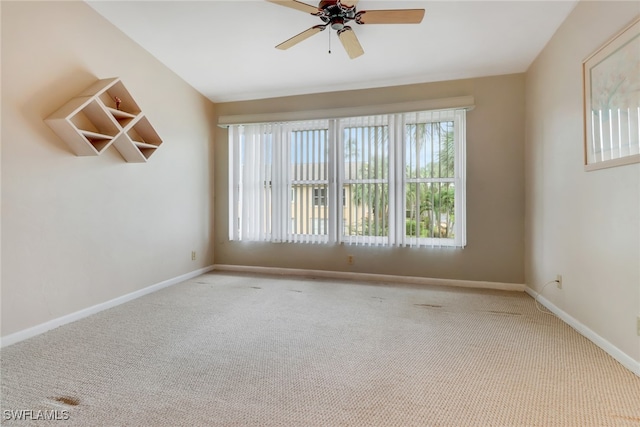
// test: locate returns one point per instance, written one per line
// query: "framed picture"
(611, 78)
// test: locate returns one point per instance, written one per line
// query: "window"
(379, 180)
(307, 172)
(365, 178)
(433, 197)
(319, 196)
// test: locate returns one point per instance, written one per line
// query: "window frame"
(313, 184)
(342, 180)
(458, 179)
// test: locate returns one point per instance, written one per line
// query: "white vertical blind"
(254, 185)
(308, 159)
(279, 179)
(615, 133)
(395, 179)
(366, 143)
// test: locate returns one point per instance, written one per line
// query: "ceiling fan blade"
(300, 37)
(350, 42)
(348, 3)
(399, 16)
(298, 5)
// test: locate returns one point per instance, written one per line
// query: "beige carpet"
(236, 350)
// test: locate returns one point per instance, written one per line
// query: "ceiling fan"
(336, 13)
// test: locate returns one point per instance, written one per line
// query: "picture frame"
(611, 89)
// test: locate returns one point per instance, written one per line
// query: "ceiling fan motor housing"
(335, 14)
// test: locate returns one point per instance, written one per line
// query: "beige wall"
(78, 231)
(583, 225)
(495, 188)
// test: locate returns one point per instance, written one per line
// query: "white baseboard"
(367, 277)
(52, 324)
(624, 359)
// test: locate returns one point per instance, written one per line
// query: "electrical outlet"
(193, 255)
(350, 259)
(559, 281)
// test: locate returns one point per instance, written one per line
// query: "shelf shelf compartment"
(116, 89)
(138, 141)
(95, 125)
(85, 125)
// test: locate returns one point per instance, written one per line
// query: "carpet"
(243, 350)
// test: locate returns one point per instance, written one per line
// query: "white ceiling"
(225, 49)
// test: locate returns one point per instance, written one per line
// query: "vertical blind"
(393, 179)
(615, 133)
(367, 148)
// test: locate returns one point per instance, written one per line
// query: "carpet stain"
(295, 290)
(428, 305)
(67, 400)
(202, 283)
(378, 298)
(510, 313)
(256, 287)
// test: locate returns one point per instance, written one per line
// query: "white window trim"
(466, 102)
(459, 181)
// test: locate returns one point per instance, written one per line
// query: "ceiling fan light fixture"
(337, 23)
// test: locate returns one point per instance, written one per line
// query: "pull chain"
(329, 42)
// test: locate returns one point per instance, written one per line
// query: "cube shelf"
(138, 141)
(104, 114)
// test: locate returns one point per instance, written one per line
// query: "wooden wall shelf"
(93, 121)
